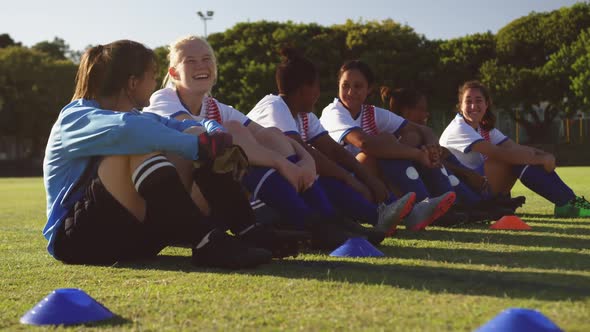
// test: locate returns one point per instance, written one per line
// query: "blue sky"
(157, 23)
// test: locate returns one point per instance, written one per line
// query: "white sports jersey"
(272, 111)
(459, 137)
(371, 120)
(166, 103)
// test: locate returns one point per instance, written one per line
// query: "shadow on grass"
(550, 285)
(547, 227)
(546, 285)
(113, 322)
(537, 259)
(552, 220)
(535, 215)
(478, 235)
(562, 230)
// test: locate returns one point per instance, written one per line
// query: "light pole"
(208, 15)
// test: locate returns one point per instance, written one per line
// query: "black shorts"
(99, 230)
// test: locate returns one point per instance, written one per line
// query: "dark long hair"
(488, 122)
(105, 69)
(294, 71)
(398, 99)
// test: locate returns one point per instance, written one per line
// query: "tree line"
(539, 61)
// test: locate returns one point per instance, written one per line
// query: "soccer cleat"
(372, 234)
(454, 217)
(577, 207)
(390, 215)
(428, 210)
(504, 202)
(327, 236)
(219, 249)
(282, 243)
(514, 202)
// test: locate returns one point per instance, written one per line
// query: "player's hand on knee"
(424, 158)
(434, 154)
(309, 173)
(293, 174)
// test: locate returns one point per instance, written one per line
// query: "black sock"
(171, 214)
(227, 199)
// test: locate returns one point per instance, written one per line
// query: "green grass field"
(441, 279)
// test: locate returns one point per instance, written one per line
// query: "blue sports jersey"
(83, 130)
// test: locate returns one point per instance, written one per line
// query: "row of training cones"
(70, 306)
(360, 247)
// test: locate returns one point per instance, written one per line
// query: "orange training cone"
(510, 223)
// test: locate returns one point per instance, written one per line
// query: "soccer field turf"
(440, 279)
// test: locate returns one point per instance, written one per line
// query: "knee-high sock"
(404, 175)
(435, 179)
(465, 195)
(318, 201)
(227, 199)
(548, 185)
(348, 200)
(315, 198)
(275, 191)
(171, 213)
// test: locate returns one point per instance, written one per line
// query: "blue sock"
(275, 191)
(465, 195)
(435, 179)
(548, 185)
(318, 201)
(404, 176)
(390, 199)
(348, 200)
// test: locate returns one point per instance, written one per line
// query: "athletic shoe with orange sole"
(392, 214)
(427, 211)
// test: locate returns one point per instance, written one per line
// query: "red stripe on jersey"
(213, 112)
(368, 124)
(304, 127)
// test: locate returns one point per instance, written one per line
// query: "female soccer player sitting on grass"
(283, 176)
(369, 134)
(112, 192)
(291, 111)
(473, 140)
(473, 196)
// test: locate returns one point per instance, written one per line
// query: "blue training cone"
(66, 306)
(518, 319)
(357, 247)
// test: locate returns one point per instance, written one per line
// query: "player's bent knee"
(234, 127)
(274, 139)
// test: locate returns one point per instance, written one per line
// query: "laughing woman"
(283, 175)
(477, 144)
(112, 192)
